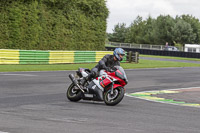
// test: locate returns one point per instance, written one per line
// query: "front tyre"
(73, 93)
(115, 98)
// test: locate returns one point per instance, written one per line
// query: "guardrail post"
(133, 57)
(136, 57)
(129, 57)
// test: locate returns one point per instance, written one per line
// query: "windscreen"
(120, 73)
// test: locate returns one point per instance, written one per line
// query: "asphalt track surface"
(35, 102)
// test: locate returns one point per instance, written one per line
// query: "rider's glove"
(107, 69)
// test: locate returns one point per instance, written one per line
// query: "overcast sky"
(125, 11)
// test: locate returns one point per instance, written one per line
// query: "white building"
(192, 48)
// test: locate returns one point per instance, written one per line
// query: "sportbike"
(108, 87)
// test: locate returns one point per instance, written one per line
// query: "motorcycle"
(108, 87)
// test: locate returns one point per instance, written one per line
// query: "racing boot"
(88, 78)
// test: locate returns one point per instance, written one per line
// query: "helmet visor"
(121, 55)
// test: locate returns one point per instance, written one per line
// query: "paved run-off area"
(183, 97)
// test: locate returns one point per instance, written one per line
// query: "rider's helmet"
(119, 53)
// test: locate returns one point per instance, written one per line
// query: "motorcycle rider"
(107, 63)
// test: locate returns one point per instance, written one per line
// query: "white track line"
(3, 132)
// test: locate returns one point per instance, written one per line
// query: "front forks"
(112, 88)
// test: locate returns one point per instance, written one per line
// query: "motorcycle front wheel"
(73, 93)
(115, 98)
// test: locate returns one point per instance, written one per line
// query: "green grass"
(157, 64)
(142, 64)
(170, 57)
(12, 68)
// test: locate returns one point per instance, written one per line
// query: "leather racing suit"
(106, 63)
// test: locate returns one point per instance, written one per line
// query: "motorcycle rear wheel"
(111, 100)
(73, 93)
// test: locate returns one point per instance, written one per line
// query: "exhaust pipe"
(73, 79)
(71, 76)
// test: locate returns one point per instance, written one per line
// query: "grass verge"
(142, 64)
(170, 57)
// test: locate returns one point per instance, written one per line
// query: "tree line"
(53, 24)
(184, 29)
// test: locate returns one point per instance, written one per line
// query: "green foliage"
(142, 64)
(163, 29)
(137, 31)
(53, 24)
(195, 25)
(182, 32)
(182, 29)
(119, 34)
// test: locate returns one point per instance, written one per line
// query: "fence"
(8, 56)
(160, 52)
(140, 46)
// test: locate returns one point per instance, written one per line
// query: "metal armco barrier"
(161, 52)
(61, 57)
(8, 56)
(33, 57)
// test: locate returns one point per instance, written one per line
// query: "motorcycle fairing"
(105, 82)
(94, 89)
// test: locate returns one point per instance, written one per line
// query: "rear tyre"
(73, 93)
(115, 98)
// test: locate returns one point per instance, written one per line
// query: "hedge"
(53, 24)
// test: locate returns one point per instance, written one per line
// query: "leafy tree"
(162, 29)
(183, 33)
(136, 31)
(119, 33)
(180, 30)
(148, 31)
(195, 25)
